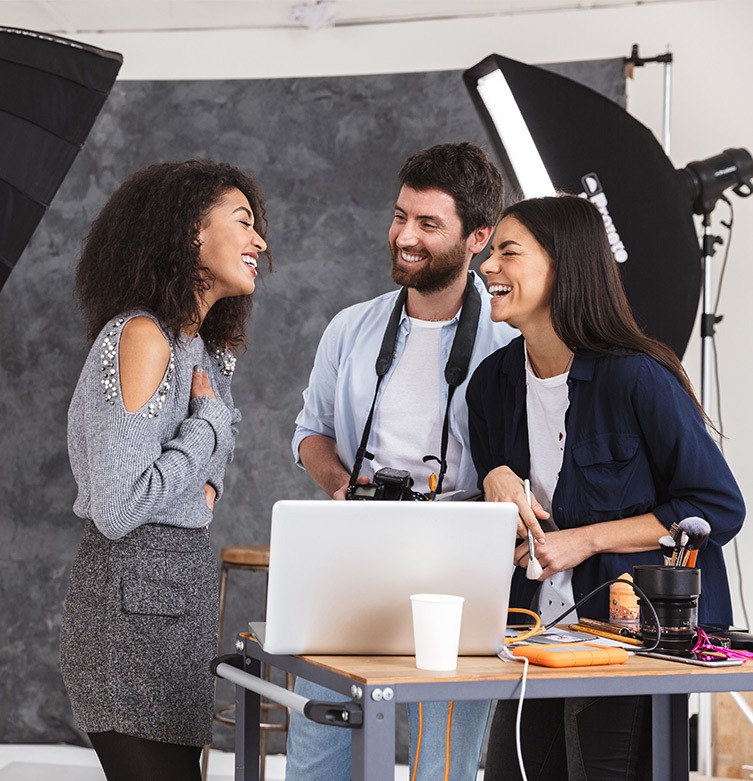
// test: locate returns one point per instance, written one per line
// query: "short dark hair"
(142, 251)
(464, 171)
(589, 309)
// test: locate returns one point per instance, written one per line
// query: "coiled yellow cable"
(535, 630)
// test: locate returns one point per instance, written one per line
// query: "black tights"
(127, 758)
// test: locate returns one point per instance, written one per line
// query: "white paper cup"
(436, 630)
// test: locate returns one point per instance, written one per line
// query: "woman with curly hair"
(165, 282)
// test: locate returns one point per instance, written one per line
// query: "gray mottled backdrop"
(326, 151)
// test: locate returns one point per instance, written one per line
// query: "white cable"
(523, 680)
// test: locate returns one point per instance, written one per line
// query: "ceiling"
(66, 17)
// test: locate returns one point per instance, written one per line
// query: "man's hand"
(341, 493)
(319, 458)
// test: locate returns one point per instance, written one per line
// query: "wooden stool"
(251, 558)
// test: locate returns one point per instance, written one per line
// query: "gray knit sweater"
(149, 466)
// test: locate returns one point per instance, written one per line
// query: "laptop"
(341, 574)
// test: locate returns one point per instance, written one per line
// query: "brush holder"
(674, 593)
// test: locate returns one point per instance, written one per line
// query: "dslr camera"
(389, 484)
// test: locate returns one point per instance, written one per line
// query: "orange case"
(571, 655)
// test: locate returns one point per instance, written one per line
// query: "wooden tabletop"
(380, 670)
(402, 669)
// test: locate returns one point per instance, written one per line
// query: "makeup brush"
(674, 530)
(533, 570)
(697, 530)
(667, 545)
(680, 541)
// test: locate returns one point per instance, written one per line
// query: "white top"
(547, 401)
(408, 419)
(341, 386)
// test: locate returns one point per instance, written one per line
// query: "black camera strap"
(455, 371)
(383, 363)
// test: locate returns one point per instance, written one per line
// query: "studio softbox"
(553, 134)
(52, 91)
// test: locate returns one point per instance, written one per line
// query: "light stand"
(706, 182)
(708, 318)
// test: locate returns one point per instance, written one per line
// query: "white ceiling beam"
(88, 16)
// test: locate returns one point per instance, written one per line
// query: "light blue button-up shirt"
(341, 386)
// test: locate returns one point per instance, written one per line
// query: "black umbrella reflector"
(553, 134)
(52, 91)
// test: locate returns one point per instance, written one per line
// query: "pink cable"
(703, 643)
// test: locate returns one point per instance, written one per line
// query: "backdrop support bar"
(637, 61)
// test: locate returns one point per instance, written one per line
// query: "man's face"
(426, 239)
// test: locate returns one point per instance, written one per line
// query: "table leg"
(373, 745)
(247, 714)
(670, 738)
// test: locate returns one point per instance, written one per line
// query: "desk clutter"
(658, 618)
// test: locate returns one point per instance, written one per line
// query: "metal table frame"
(373, 743)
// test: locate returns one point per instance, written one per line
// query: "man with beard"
(450, 199)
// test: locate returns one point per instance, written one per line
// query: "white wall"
(712, 109)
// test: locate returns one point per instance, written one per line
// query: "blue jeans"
(316, 752)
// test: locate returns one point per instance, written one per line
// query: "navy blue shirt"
(636, 443)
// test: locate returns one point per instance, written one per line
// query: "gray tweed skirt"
(139, 630)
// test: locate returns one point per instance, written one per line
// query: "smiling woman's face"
(230, 247)
(519, 275)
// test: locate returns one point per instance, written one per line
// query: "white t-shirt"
(547, 401)
(408, 418)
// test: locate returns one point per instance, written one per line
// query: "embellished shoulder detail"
(154, 407)
(109, 348)
(225, 360)
(109, 381)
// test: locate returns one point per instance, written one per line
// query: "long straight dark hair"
(590, 310)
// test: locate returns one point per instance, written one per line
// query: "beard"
(435, 275)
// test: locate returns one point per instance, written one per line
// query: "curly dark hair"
(464, 171)
(142, 251)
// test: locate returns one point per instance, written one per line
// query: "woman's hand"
(503, 485)
(564, 549)
(210, 495)
(200, 384)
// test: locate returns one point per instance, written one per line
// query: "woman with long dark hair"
(165, 282)
(603, 422)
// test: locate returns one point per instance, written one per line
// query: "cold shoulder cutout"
(143, 358)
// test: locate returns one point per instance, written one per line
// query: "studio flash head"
(706, 180)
